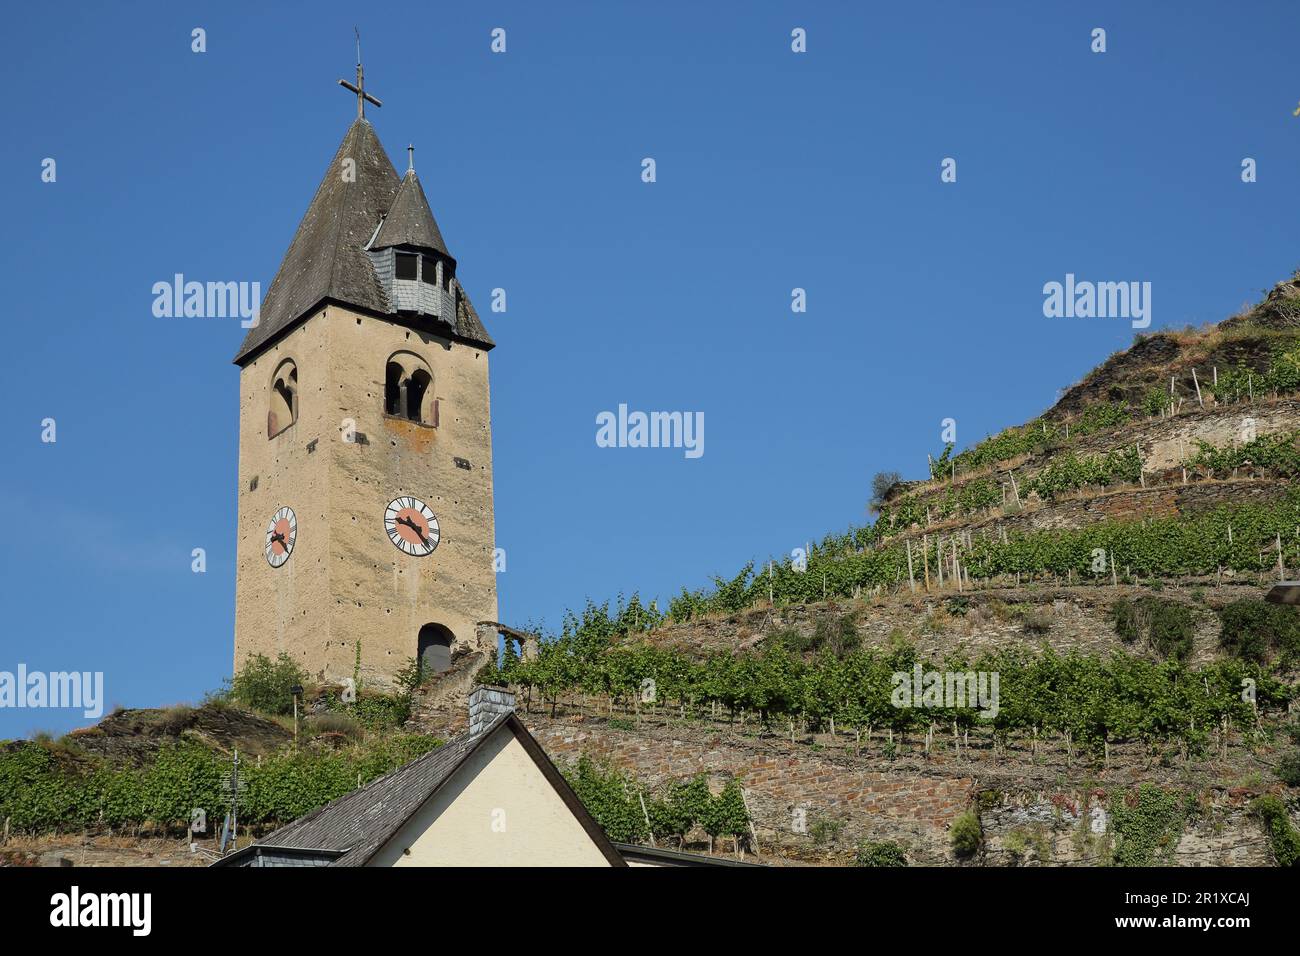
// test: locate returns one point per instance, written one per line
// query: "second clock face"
(281, 533)
(411, 526)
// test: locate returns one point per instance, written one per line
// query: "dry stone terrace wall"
(1080, 620)
(1073, 828)
(1127, 504)
(908, 802)
(874, 804)
(1164, 443)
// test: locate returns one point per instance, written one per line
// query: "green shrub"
(263, 684)
(489, 674)
(958, 605)
(1171, 629)
(1253, 630)
(41, 794)
(685, 805)
(966, 834)
(1156, 400)
(611, 798)
(881, 854)
(379, 711)
(1146, 825)
(175, 719)
(836, 633)
(411, 675)
(825, 830)
(614, 799)
(333, 723)
(726, 814)
(1038, 621)
(793, 641)
(1167, 626)
(1282, 836)
(1128, 623)
(1288, 769)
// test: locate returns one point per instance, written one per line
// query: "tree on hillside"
(881, 484)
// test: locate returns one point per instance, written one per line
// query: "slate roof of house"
(664, 857)
(357, 824)
(410, 221)
(326, 260)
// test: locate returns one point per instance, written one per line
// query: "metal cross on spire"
(360, 88)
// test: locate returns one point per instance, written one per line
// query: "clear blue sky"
(775, 170)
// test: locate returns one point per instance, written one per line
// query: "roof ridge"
(351, 197)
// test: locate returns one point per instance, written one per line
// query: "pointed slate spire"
(410, 222)
(327, 259)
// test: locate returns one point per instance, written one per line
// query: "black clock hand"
(416, 528)
(278, 537)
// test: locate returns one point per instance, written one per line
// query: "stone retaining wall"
(790, 789)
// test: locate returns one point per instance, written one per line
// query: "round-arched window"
(283, 407)
(408, 389)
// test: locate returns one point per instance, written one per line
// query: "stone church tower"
(365, 444)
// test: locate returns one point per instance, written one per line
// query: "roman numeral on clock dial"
(411, 526)
(281, 534)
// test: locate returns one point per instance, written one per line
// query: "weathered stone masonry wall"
(873, 804)
(907, 803)
(1079, 619)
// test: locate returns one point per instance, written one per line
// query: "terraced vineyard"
(1107, 560)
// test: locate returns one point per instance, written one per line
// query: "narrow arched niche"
(282, 410)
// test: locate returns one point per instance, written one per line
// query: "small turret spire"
(410, 158)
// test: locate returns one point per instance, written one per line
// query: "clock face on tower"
(411, 526)
(281, 533)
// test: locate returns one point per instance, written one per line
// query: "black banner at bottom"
(339, 905)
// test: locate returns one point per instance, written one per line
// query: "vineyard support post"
(649, 829)
(925, 558)
(752, 832)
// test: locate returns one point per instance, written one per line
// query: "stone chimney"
(486, 703)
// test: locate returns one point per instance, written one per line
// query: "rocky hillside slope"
(1141, 518)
